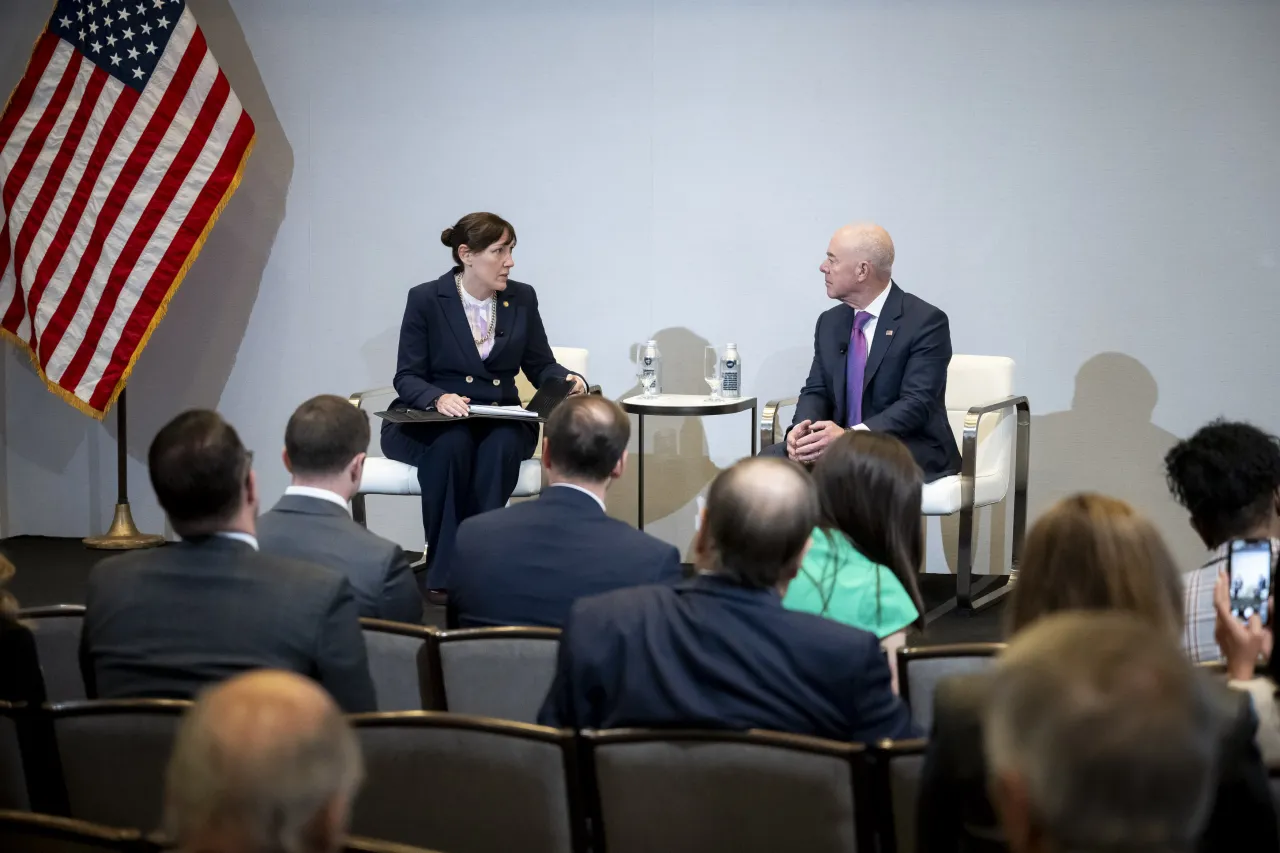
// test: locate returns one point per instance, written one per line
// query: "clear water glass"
(711, 372)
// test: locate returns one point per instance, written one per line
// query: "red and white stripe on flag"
(119, 148)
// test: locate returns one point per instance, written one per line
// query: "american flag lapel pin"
(888, 333)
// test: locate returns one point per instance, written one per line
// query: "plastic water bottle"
(730, 373)
(651, 368)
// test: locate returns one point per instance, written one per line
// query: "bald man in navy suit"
(879, 360)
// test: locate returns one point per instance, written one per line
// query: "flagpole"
(124, 534)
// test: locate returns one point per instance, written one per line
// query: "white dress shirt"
(875, 309)
(240, 536)
(592, 494)
(320, 494)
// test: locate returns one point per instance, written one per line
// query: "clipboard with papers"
(552, 393)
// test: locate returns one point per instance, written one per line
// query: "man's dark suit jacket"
(318, 531)
(438, 352)
(954, 813)
(164, 623)
(526, 564)
(710, 653)
(905, 382)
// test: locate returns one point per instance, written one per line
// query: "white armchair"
(384, 476)
(981, 409)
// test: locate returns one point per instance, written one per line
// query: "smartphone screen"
(1249, 569)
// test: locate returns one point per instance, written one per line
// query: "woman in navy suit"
(463, 339)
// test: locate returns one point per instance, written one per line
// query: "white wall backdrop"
(1091, 188)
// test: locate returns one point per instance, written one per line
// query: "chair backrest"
(898, 768)
(13, 780)
(692, 791)
(57, 634)
(920, 670)
(494, 672)
(398, 662)
(467, 784)
(113, 755)
(572, 358)
(976, 380)
(23, 832)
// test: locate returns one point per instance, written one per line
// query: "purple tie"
(855, 368)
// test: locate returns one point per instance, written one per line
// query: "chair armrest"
(769, 420)
(357, 399)
(594, 389)
(969, 454)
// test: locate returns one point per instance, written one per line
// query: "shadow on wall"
(677, 466)
(1107, 443)
(191, 355)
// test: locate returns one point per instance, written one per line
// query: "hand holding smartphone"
(1249, 564)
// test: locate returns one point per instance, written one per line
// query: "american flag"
(118, 150)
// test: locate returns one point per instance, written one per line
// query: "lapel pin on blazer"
(504, 303)
(888, 333)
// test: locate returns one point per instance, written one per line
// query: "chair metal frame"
(80, 831)
(970, 597)
(437, 639)
(855, 754)
(565, 739)
(881, 755)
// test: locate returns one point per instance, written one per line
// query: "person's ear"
(620, 468)
(546, 454)
(465, 253)
(356, 469)
(251, 489)
(284, 457)
(702, 542)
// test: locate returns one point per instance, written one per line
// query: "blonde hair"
(1092, 552)
(8, 604)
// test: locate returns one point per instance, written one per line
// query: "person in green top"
(861, 565)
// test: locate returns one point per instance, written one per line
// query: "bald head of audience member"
(757, 521)
(264, 763)
(859, 264)
(1099, 736)
(585, 443)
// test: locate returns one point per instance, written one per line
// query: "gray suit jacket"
(321, 532)
(164, 623)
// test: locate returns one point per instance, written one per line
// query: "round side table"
(684, 406)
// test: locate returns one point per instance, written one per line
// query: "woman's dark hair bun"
(446, 237)
(477, 231)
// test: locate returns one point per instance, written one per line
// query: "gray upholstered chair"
(467, 784)
(57, 634)
(692, 791)
(13, 781)
(898, 765)
(494, 672)
(113, 755)
(23, 832)
(920, 670)
(398, 662)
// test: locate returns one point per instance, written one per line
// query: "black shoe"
(438, 597)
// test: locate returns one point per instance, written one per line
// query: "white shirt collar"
(876, 308)
(468, 299)
(247, 538)
(319, 494)
(593, 495)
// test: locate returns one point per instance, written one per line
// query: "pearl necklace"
(493, 313)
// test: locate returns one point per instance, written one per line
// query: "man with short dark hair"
(526, 564)
(1227, 476)
(168, 621)
(1099, 736)
(324, 449)
(719, 650)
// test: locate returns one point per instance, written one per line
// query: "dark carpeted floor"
(54, 571)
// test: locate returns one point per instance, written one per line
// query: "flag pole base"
(124, 534)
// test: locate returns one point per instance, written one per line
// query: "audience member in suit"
(264, 761)
(720, 651)
(1227, 475)
(324, 450)
(879, 360)
(20, 678)
(1100, 736)
(464, 338)
(863, 557)
(1087, 552)
(526, 564)
(166, 622)
(1243, 645)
